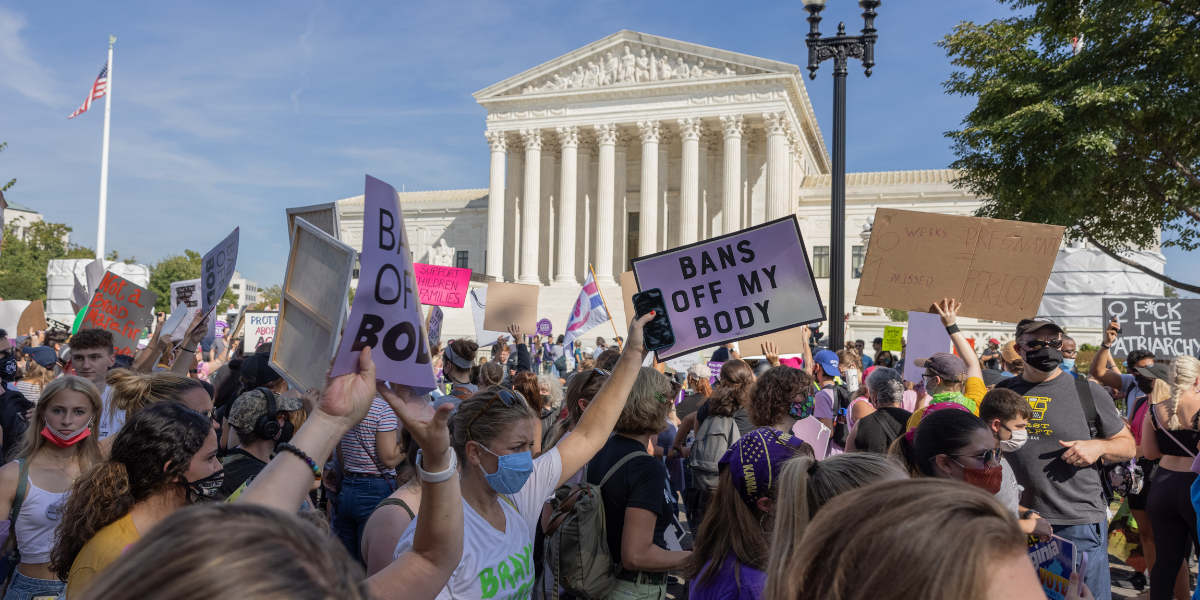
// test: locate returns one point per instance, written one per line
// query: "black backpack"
(841, 409)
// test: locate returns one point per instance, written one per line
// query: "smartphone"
(657, 333)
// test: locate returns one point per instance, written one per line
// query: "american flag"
(98, 90)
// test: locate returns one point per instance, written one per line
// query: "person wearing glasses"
(949, 378)
(504, 487)
(1060, 464)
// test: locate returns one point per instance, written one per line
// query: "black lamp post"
(840, 48)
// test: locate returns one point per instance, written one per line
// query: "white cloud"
(21, 72)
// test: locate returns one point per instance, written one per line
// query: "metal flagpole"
(104, 155)
(610, 319)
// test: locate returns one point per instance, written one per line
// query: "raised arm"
(1100, 369)
(948, 309)
(600, 417)
(191, 345)
(524, 361)
(146, 361)
(806, 334)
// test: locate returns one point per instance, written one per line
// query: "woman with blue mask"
(504, 488)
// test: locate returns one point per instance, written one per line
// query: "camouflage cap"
(253, 404)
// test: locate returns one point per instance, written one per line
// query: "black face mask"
(1044, 359)
(8, 368)
(1144, 383)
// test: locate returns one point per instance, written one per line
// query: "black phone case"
(667, 318)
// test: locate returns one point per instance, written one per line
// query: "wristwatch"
(1026, 514)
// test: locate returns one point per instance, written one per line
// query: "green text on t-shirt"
(502, 577)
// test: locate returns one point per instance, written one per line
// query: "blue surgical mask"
(512, 472)
(1068, 364)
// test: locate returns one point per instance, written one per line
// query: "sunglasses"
(989, 457)
(1035, 345)
(591, 375)
(508, 398)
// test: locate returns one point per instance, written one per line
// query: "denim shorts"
(27, 588)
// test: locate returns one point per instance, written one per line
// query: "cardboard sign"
(79, 294)
(121, 307)
(926, 337)
(434, 325)
(33, 317)
(509, 303)
(442, 286)
(325, 217)
(788, 341)
(1164, 326)
(629, 287)
(997, 269)
(312, 307)
(260, 329)
(10, 315)
(387, 313)
(483, 336)
(94, 273)
(216, 269)
(736, 286)
(892, 337)
(1055, 560)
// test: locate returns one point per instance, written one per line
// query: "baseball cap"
(755, 460)
(1009, 352)
(944, 365)
(828, 361)
(253, 404)
(994, 341)
(42, 355)
(699, 371)
(1031, 325)
(258, 368)
(1155, 371)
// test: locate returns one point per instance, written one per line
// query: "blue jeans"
(24, 588)
(356, 500)
(1093, 539)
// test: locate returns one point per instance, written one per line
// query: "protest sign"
(545, 327)
(94, 272)
(509, 303)
(788, 341)
(216, 269)
(714, 368)
(259, 329)
(1163, 326)
(32, 318)
(442, 286)
(682, 363)
(926, 337)
(433, 324)
(1055, 560)
(326, 217)
(79, 294)
(122, 307)
(483, 336)
(629, 287)
(892, 337)
(188, 293)
(10, 315)
(736, 286)
(997, 269)
(178, 314)
(386, 314)
(312, 306)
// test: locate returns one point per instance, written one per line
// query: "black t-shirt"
(689, 405)
(239, 466)
(639, 483)
(874, 429)
(720, 354)
(991, 359)
(741, 417)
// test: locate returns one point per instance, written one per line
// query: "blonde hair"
(647, 406)
(1182, 372)
(134, 391)
(89, 448)
(909, 519)
(246, 551)
(806, 485)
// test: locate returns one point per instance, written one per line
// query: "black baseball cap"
(1155, 371)
(1032, 325)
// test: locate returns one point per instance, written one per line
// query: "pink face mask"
(66, 441)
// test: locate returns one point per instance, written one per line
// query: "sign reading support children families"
(122, 307)
(740, 285)
(997, 269)
(442, 286)
(1163, 326)
(387, 312)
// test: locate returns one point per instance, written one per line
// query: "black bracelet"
(1025, 515)
(300, 453)
(186, 350)
(952, 329)
(1105, 346)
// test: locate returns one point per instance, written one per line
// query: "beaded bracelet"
(298, 452)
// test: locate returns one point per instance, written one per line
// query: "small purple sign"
(544, 327)
(714, 369)
(744, 284)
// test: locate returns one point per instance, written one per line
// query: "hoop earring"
(760, 525)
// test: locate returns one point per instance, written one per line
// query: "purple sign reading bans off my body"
(748, 283)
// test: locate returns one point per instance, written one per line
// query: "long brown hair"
(89, 447)
(583, 386)
(527, 385)
(899, 547)
(734, 391)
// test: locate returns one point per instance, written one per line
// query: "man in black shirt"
(991, 355)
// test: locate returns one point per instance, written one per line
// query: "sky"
(226, 113)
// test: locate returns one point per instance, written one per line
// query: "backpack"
(13, 406)
(561, 364)
(841, 413)
(461, 393)
(713, 439)
(577, 541)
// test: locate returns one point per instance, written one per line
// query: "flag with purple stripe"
(588, 312)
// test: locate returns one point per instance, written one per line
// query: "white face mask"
(1019, 437)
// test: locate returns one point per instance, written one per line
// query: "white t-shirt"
(499, 565)
(111, 419)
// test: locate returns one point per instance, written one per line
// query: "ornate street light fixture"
(840, 48)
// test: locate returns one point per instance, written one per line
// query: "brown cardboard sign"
(33, 317)
(788, 341)
(629, 287)
(997, 269)
(509, 303)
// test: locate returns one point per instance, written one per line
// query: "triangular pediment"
(629, 58)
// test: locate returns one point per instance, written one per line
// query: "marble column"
(586, 200)
(513, 192)
(568, 137)
(621, 205)
(731, 205)
(689, 181)
(494, 265)
(531, 207)
(606, 135)
(778, 164)
(650, 131)
(664, 188)
(547, 250)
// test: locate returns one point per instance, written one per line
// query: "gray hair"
(554, 400)
(885, 386)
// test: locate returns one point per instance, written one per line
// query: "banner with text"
(187, 293)
(442, 286)
(386, 314)
(122, 307)
(997, 269)
(1164, 326)
(740, 285)
(433, 325)
(260, 329)
(216, 269)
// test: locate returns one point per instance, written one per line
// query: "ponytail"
(901, 451)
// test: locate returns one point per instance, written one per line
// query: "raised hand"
(199, 328)
(948, 309)
(429, 428)
(634, 342)
(515, 331)
(348, 397)
(1111, 333)
(771, 351)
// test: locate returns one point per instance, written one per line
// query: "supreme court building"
(635, 144)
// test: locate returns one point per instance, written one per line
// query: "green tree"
(115, 256)
(1105, 142)
(896, 315)
(228, 299)
(268, 297)
(177, 267)
(23, 260)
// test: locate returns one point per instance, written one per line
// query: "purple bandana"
(756, 459)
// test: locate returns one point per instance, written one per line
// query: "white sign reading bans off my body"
(386, 314)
